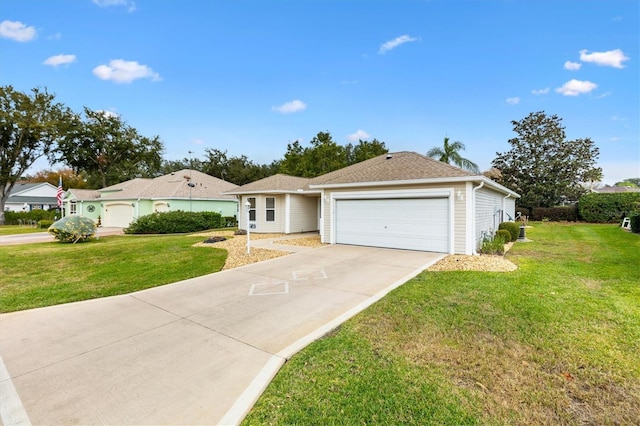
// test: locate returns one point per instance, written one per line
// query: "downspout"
(504, 205)
(475, 252)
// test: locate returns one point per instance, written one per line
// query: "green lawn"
(19, 229)
(43, 274)
(555, 342)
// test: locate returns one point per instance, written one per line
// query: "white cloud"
(290, 107)
(16, 30)
(540, 91)
(572, 66)
(576, 87)
(360, 134)
(56, 60)
(604, 95)
(108, 113)
(611, 58)
(392, 44)
(615, 139)
(122, 71)
(129, 4)
(513, 101)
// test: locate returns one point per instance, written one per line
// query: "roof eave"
(458, 179)
(274, 192)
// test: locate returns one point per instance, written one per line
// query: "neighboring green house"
(186, 190)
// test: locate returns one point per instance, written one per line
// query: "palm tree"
(449, 153)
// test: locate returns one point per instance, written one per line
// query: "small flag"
(59, 193)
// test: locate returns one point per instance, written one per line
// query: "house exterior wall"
(491, 208)
(144, 207)
(303, 213)
(458, 216)
(261, 224)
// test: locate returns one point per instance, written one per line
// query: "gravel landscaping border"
(236, 246)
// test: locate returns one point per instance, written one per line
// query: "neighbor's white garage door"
(403, 223)
(118, 215)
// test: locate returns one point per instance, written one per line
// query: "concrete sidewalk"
(199, 351)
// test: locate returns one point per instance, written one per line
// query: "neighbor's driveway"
(196, 352)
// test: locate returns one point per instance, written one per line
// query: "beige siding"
(303, 213)
(262, 226)
(459, 209)
(488, 213)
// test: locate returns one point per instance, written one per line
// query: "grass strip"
(44, 274)
(555, 342)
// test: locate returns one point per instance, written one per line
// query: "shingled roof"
(279, 183)
(173, 185)
(85, 194)
(397, 166)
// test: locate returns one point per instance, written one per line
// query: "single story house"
(615, 189)
(401, 200)
(279, 204)
(118, 205)
(25, 197)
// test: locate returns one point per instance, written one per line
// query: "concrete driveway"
(199, 351)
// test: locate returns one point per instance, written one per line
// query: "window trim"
(252, 209)
(268, 209)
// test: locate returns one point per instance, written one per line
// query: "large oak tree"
(31, 126)
(543, 166)
(108, 150)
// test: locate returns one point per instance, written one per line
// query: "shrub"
(13, 218)
(635, 223)
(44, 223)
(555, 214)
(230, 221)
(175, 222)
(74, 228)
(608, 208)
(512, 227)
(505, 234)
(493, 245)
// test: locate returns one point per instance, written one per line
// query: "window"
(72, 208)
(252, 209)
(271, 209)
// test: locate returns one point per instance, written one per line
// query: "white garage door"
(118, 215)
(403, 223)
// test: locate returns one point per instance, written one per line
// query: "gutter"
(474, 250)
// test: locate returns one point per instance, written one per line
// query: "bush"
(635, 223)
(74, 228)
(512, 227)
(555, 214)
(230, 221)
(44, 223)
(608, 208)
(493, 245)
(14, 218)
(175, 222)
(505, 234)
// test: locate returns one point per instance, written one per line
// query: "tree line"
(97, 149)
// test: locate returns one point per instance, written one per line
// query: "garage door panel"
(118, 215)
(406, 223)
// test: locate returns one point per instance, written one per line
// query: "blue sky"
(251, 76)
